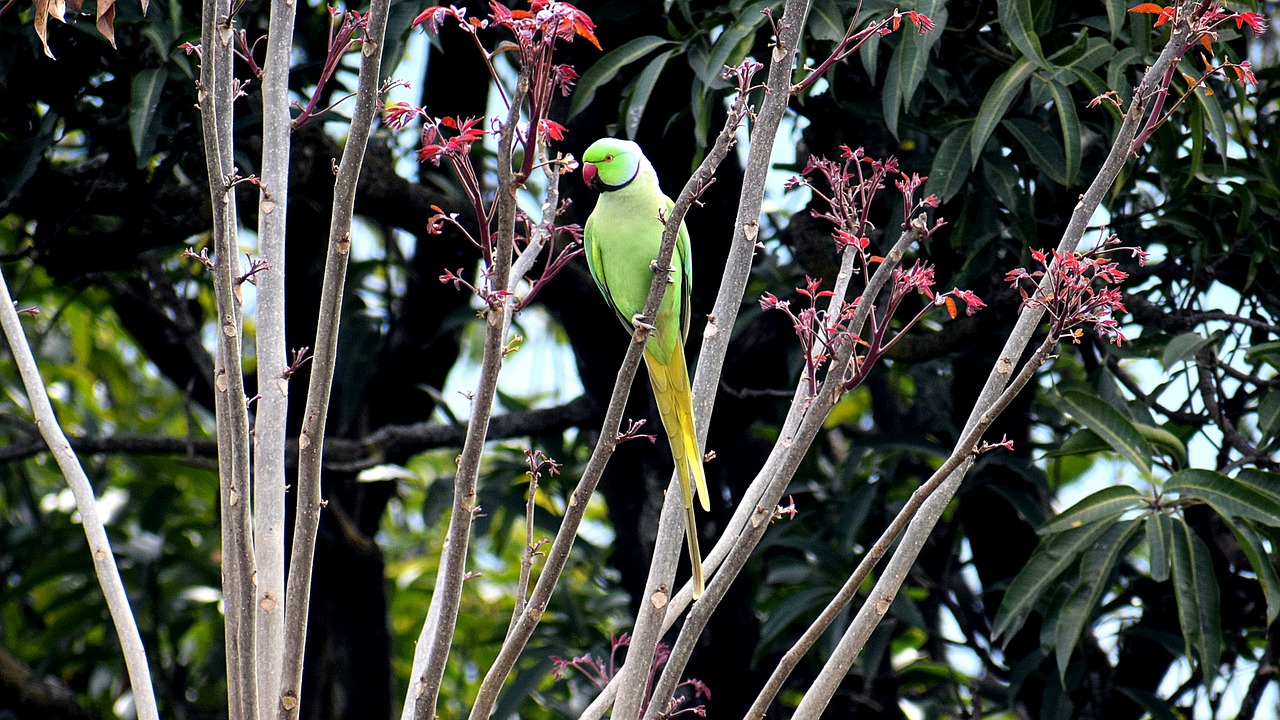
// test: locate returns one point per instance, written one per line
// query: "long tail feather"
(671, 390)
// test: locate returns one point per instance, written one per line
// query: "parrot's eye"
(608, 158)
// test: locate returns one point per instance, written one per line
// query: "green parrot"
(622, 240)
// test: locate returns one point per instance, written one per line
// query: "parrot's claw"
(642, 328)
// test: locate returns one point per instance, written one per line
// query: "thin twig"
(311, 439)
(217, 95)
(104, 561)
(271, 412)
(437, 634)
(828, 680)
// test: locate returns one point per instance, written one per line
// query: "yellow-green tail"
(671, 390)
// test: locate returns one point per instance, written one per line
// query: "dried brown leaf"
(107, 19)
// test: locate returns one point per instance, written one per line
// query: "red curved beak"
(589, 174)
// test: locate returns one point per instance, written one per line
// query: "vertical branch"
(755, 512)
(311, 438)
(820, 693)
(217, 94)
(436, 639)
(715, 345)
(273, 386)
(104, 560)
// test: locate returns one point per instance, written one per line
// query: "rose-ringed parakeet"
(622, 240)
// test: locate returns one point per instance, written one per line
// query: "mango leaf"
(1159, 544)
(736, 33)
(1096, 568)
(950, 165)
(1043, 150)
(1052, 557)
(633, 109)
(1228, 497)
(911, 59)
(1117, 430)
(1095, 53)
(826, 22)
(1071, 135)
(1269, 414)
(607, 68)
(1196, 590)
(1163, 440)
(147, 87)
(1106, 504)
(1256, 552)
(1019, 24)
(1268, 352)
(1217, 122)
(1261, 481)
(1182, 348)
(997, 102)
(1082, 442)
(1156, 706)
(1115, 16)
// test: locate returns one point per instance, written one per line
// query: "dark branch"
(340, 453)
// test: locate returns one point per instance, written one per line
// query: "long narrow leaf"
(1251, 545)
(1196, 590)
(1096, 568)
(1052, 558)
(1019, 24)
(950, 165)
(1106, 504)
(607, 68)
(1071, 134)
(1111, 426)
(643, 89)
(1001, 96)
(1159, 528)
(1230, 498)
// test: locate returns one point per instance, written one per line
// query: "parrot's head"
(610, 164)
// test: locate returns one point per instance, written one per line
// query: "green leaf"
(912, 55)
(950, 165)
(1269, 414)
(1096, 568)
(826, 22)
(1052, 557)
(1183, 347)
(1082, 442)
(1253, 548)
(1166, 441)
(1111, 426)
(736, 33)
(1071, 135)
(1156, 706)
(607, 68)
(1043, 150)
(1228, 497)
(1217, 123)
(1196, 590)
(1096, 53)
(1106, 504)
(1159, 544)
(147, 87)
(1019, 24)
(1261, 481)
(633, 109)
(1115, 16)
(998, 100)
(1263, 352)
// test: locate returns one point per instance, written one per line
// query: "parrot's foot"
(642, 328)
(655, 268)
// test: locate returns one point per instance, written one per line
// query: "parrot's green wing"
(595, 263)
